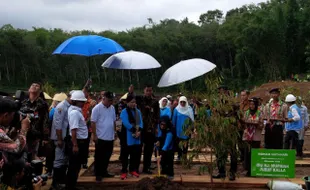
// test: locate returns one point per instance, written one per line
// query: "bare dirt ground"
(263, 91)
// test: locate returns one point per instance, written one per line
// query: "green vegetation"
(250, 45)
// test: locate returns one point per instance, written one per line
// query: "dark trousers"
(247, 153)
(183, 149)
(274, 137)
(85, 159)
(167, 163)
(75, 162)
(222, 158)
(50, 156)
(299, 148)
(241, 146)
(148, 149)
(103, 154)
(134, 152)
(291, 138)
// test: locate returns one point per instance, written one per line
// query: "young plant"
(216, 134)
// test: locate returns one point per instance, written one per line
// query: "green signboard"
(273, 163)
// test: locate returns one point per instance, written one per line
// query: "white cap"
(290, 98)
(168, 96)
(78, 95)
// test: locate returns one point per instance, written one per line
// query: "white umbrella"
(184, 71)
(131, 60)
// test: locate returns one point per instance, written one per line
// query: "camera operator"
(14, 174)
(8, 110)
(39, 122)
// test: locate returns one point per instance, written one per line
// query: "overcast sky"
(101, 15)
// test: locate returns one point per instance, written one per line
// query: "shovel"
(158, 165)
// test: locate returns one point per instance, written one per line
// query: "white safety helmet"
(78, 95)
(290, 98)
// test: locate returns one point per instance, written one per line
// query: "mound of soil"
(158, 183)
(263, 90)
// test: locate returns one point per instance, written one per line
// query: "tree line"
(250, 45)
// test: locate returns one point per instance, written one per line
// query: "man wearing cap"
(275, 114)
(39, 124)
(244, 107)
(293, 124)
(59, 131)
(103, 124)
(79, 134)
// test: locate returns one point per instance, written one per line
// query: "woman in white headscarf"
(181, 114)
(164, 108)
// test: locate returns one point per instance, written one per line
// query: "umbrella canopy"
(184, 71)
(88, 45)
(47, 97)
(124, 97)
(131, 60)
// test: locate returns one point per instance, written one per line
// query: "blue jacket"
(125, 119)
(295, 125)
(178, 121)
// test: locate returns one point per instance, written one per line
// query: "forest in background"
(250, 45)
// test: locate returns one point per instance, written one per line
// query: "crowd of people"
(144, 125)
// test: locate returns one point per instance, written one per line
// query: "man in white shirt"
(103, 126)
(79, 134)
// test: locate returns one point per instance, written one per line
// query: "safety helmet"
(290, 98)
(78, 95)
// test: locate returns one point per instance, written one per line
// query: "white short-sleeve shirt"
(77, 121)
(104, 117)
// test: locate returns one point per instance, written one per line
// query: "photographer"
(14, 174)
(39, 122)
(8, 110)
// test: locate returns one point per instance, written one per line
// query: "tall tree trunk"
(138, 81)
(7, 71)
(231, 63)
(105, 75)
(129, 76)
(97, 72)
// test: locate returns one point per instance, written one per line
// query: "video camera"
(20, 96)
(33, 173)
(37, 168)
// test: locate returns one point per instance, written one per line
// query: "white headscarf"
(186, 110)
(161, 102)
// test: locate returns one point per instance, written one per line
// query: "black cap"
(108, 94)
(274, 90)
(253, 99)
(7, 105)
(224, 87)
(4, 94)
(129, 98)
